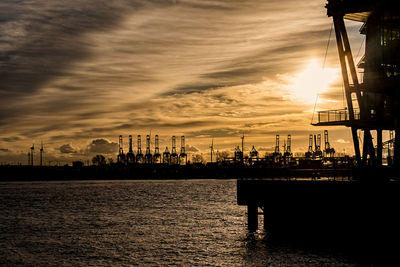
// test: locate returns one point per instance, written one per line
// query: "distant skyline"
(77, 74)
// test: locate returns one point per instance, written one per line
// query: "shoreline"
(187, 172)
(161, 172)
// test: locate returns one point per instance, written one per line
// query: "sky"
(77, 74)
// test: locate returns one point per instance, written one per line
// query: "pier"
(365, 207)
(323, 206)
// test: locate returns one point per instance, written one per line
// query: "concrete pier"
(321, 206)
(252, 217)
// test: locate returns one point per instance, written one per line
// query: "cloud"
(263, 148)
(102, 146)
(67, 149)
(43, 39)
(191, 149)
(217, 132)
(342, 141)
(74, 70)
(11, 139)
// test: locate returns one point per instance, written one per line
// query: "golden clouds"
(103, 68)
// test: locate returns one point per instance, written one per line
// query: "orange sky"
(77, 74)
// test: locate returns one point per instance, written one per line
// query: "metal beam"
(397, 148)
(341, 34)
(379, 147)
(342, 58)
(352, 67)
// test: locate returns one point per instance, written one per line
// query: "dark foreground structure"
(359, 217)
(360, 213)
(324, 205)
(164, 171)
(372, 93)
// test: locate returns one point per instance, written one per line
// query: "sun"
(311, 81)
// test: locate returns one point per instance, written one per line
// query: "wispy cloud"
(102, 146)
(342, 141)
(94, 69)
(67, 149)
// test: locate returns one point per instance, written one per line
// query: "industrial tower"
(238, 156)
(32, 150)
(373, 104)
(139, 154)
(183, 154)
(317, 144)
(277, 155)
(212, 150)
(121, 155)
(41, 154)
(242, 159)
(157, 155)
(328, 151)
(148, 157)
(174, 158)
(253, 154)
(166, 156)
(287, 154)
(130, 156)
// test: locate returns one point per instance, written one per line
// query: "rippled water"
(191, 222)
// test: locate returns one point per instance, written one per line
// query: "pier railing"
(338, 115)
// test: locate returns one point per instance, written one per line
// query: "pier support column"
(265, 219)
(397, 148)
(379, 147)
(252, 217)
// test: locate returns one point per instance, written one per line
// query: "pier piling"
(265, 219)
(252, 217)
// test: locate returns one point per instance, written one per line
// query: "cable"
(360, 49)
(327, 46)
(323, 67)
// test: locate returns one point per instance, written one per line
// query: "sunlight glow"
(312, 80)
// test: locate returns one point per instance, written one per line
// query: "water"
(151, 223)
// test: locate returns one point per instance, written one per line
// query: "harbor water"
(147, 223)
